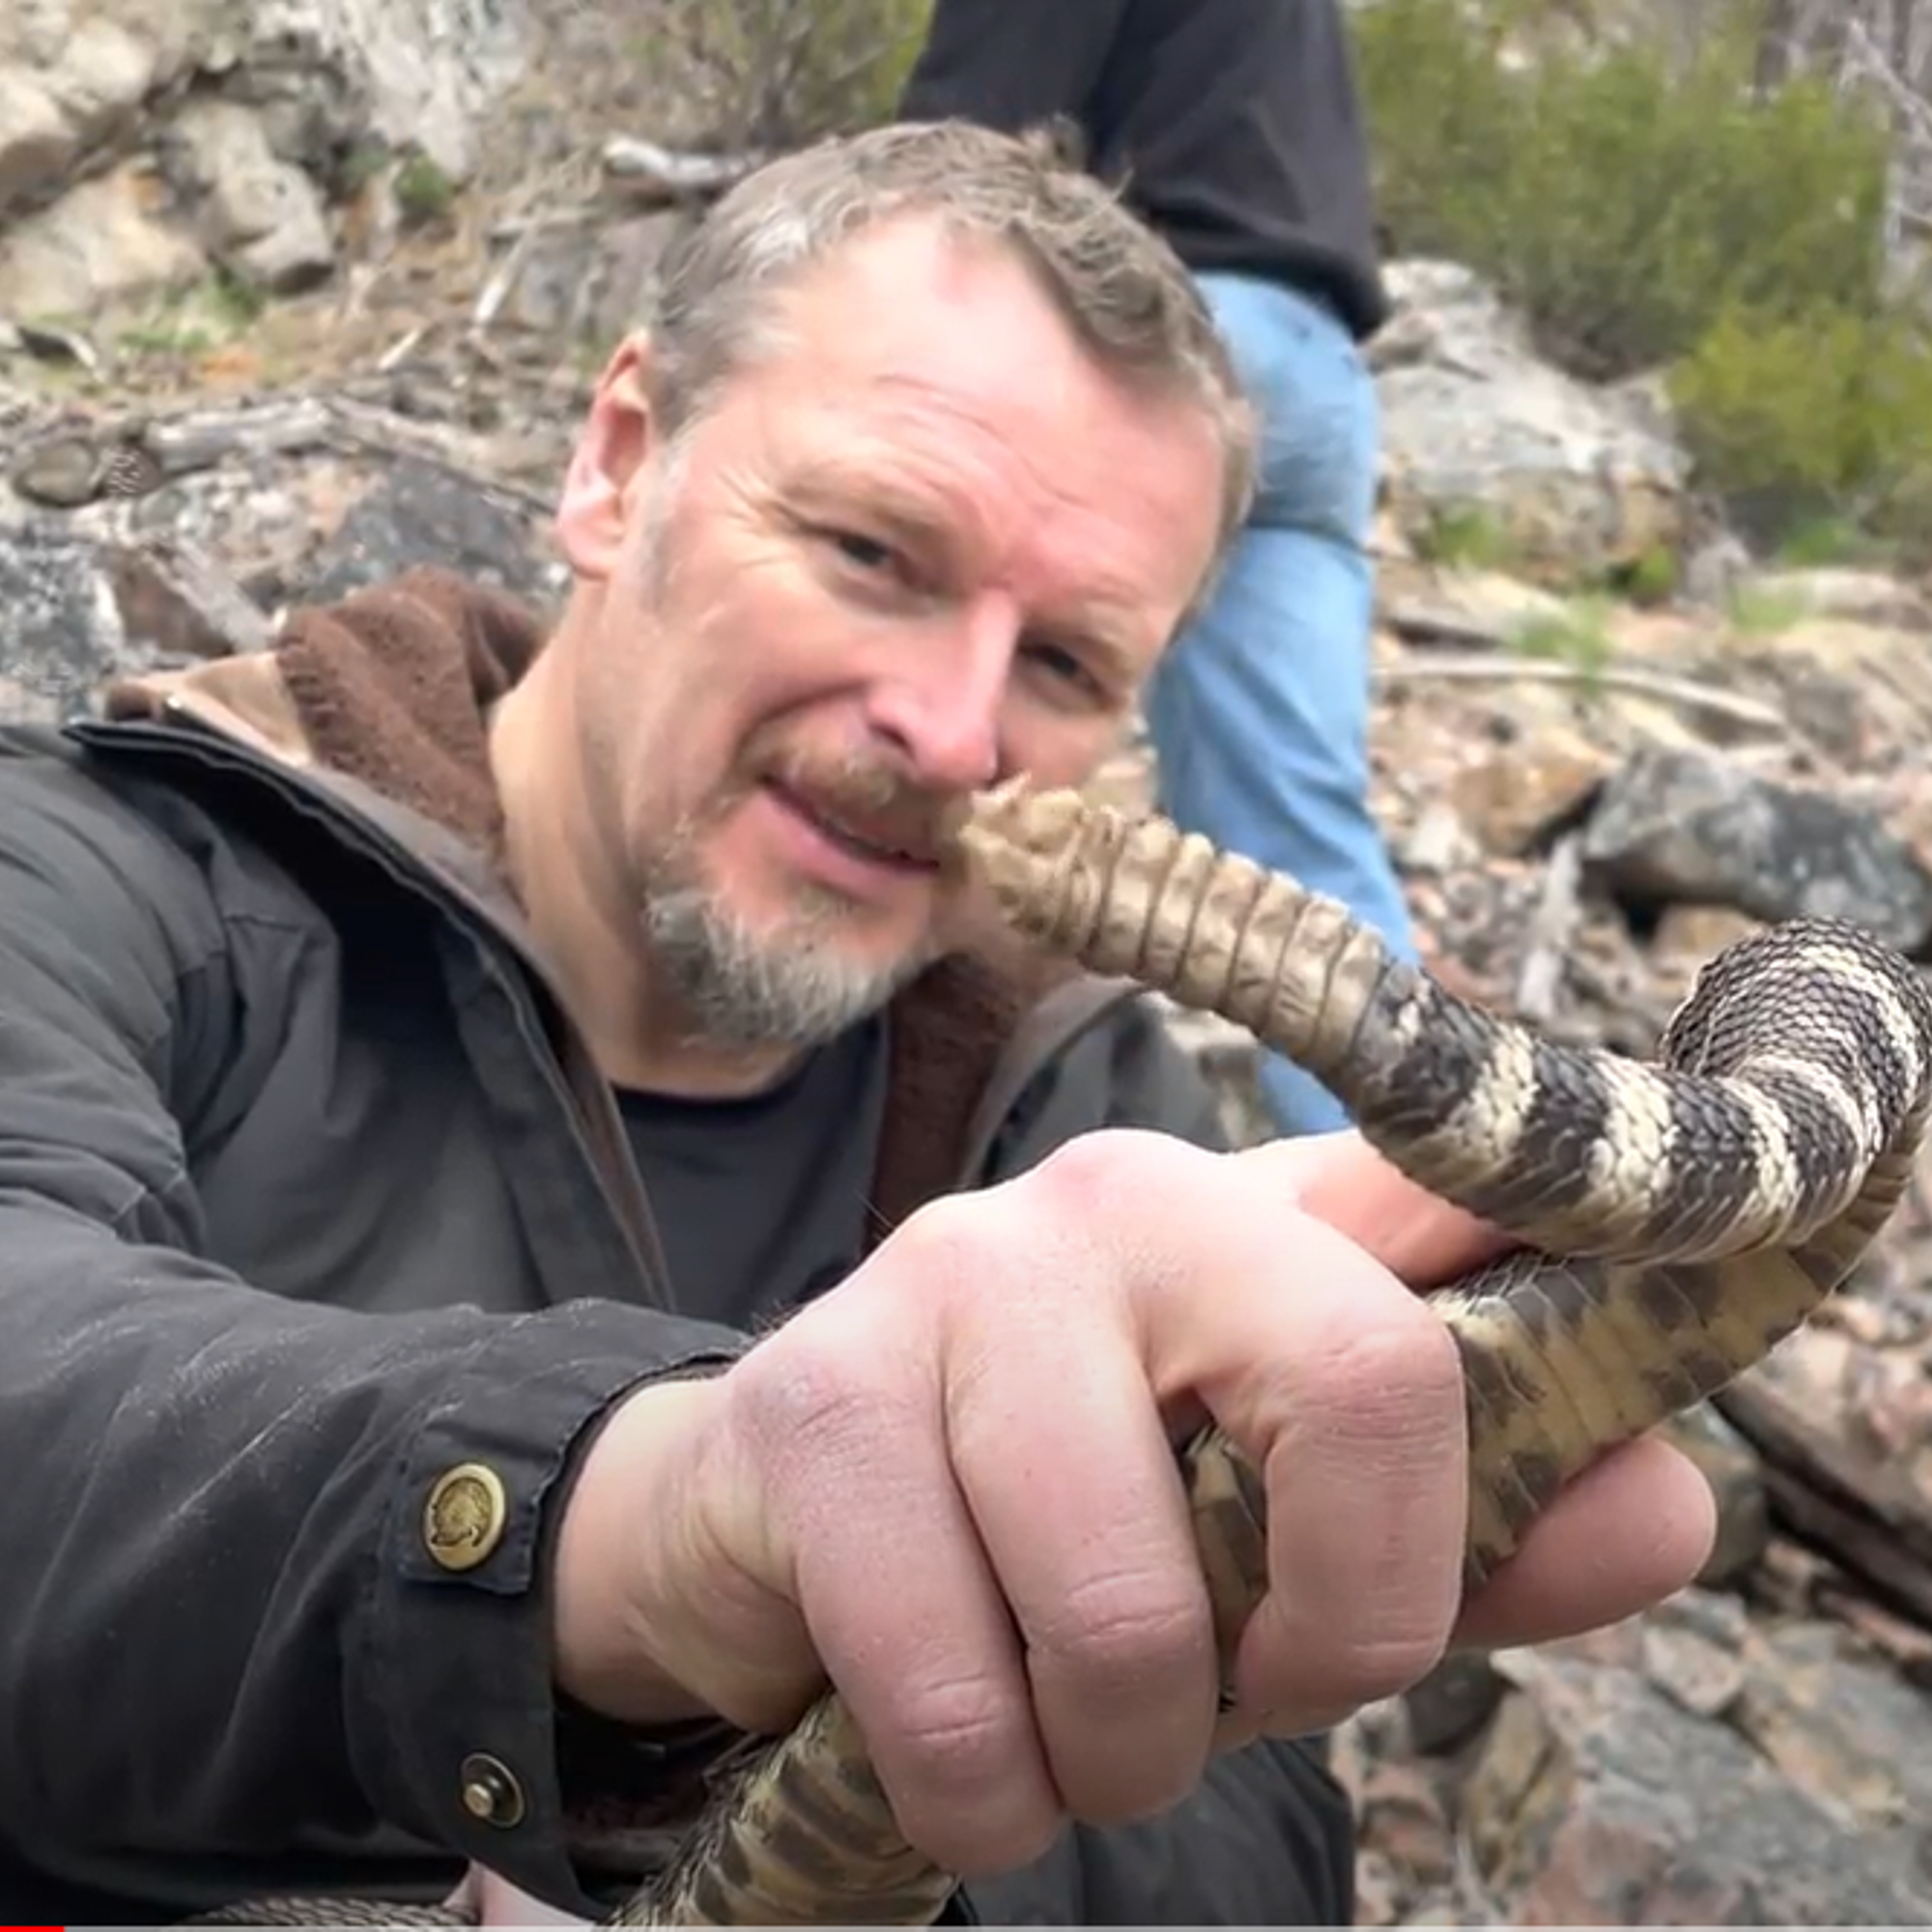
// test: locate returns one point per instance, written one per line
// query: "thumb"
(1342, 1180)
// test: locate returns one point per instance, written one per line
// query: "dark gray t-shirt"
(763, 1202)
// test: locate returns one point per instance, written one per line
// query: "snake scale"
(1678, 1220)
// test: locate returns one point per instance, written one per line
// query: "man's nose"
(941, 705)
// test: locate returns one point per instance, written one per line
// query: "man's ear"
(607, 465)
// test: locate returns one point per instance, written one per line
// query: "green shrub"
(424, 193)
(1648, 206)
(775, 73)
(1623, 197)
(1802, 422)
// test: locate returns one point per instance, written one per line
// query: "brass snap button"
(464, 1516)
(490, 1791)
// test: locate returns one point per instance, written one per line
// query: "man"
(537, 1220)
(1233, 127)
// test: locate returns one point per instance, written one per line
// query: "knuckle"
(950, 1244)
(963, 1730)
(962, 1756)
(1122, 1635)
(1112, 1165)
(801, 1387)
(1079, 1168)
(1367, 1671)
(1391, 1370)
(1125, 1684)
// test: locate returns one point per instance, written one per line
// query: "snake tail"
(323, 1908)
(1742, 1137)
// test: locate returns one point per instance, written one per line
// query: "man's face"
(923, 546)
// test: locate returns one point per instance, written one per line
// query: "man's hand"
(950, 1485)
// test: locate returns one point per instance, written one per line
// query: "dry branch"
(1684, 692)
(1553, 932)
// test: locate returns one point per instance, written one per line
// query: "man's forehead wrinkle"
(912, 455)
(884, 477)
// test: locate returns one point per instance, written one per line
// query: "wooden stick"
(1553, 932)
(1498, 669)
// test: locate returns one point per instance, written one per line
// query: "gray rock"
(1841, 1727)
(585, 280)
(1689, 827)
(420, 513)
(254, 208)
(37, 142)
(1600, 1799)
(79, 86)
(99, 242)
(60, 626)
(174, 599)
(104, 73)
(1449, 1705)
(1570, 479)
(420, 73)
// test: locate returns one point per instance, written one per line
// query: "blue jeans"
(1259, 712)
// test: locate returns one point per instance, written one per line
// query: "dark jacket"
(1234, 127)
(309, 1194)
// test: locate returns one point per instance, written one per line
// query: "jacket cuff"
(453, 1713)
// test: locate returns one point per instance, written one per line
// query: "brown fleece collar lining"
(393, 685)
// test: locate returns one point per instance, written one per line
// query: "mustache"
(870, 796)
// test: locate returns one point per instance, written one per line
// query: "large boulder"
(1566, 479)
(146, 143)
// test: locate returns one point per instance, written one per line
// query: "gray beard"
(743, 991)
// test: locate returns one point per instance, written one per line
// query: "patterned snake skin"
(1690, 1215)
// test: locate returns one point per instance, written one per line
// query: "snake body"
(1679, 1219)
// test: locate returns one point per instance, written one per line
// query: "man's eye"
(868, 552)
(1060, 663)
(1066, 666)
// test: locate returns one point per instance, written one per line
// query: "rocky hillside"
(286, 307)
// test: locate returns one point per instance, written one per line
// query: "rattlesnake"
(1690, 1215)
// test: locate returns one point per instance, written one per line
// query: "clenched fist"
(950, 1486)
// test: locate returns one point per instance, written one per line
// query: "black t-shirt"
(762, 1201)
